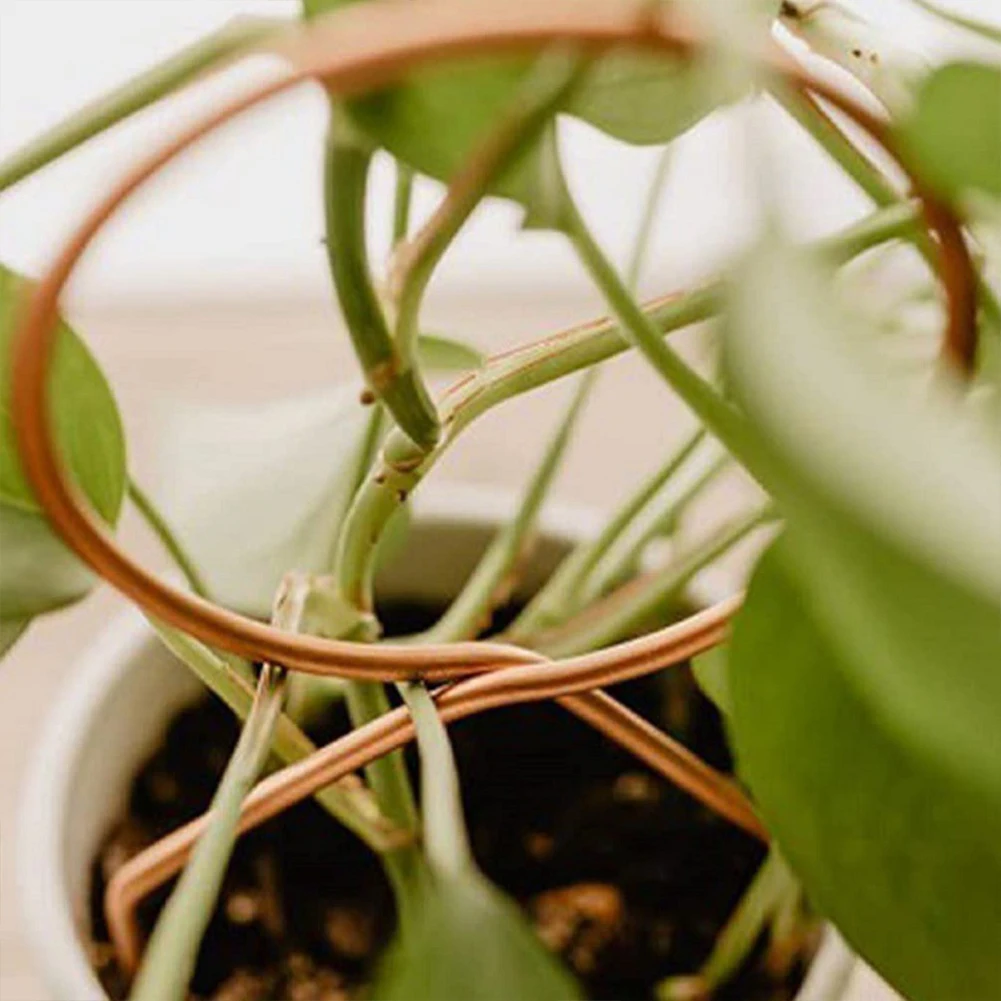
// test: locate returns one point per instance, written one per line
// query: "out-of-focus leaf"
(254, 492)
(37, 571)
(871, 54)
(892, 499)
(711, 670)
(646, 100)
(893, 845)
(435, 119)
(11, 631)
(438, 118)
(470, 942)
(446, 354)
(953, 133)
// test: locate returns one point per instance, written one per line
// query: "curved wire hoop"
(351, 52)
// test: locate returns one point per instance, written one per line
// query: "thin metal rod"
(358, 48)
(572, 682)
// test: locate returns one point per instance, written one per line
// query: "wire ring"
(353, 51)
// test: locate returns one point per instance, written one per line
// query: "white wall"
(244, 216)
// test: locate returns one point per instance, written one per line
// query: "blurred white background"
(249, 206)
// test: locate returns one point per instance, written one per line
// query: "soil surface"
(626, 877)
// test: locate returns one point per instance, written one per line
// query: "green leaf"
(892, 845)
(436, 119)
(648, 100)
(469, 941)
(953, 133)
(446, 354)
(255, 491)
(711, 671)
(461, 938)
(38, 572)
(892, 497)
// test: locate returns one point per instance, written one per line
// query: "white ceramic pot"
(127, 689)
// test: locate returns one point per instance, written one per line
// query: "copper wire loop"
(353, 51)
(571, 682)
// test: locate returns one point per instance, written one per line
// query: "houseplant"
(884, 577)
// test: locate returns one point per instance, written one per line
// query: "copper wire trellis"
(350, 52)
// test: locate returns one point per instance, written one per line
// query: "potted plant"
(855, 681)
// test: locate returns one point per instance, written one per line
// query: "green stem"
(169, 541)
(625, 612)
(769, 888)
(721, 418)
(622, 560)
(403, 465)
(465, 616)
(402, 199)
(387, 778)
(445, 837)
(648, 215)
(347, 802)
(240, 34)
(389, 377)
(170, 957)
(559, 596)
(545, 90)
(895, 222)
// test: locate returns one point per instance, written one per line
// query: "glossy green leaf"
(891, 845)
(37, 572)
(646, 99)
(438, 117)
(470, 942)
(953, 133)
(446, 354)
(255, 491)
(892, 495)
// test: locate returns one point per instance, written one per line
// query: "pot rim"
(43, 822)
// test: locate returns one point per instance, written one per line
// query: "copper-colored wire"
(357, 48)
(571, 682)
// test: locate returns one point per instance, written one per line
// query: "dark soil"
(627, 878)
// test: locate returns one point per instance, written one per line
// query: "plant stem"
(389, 375)
(465, 616)
(559, 596)
(545, 89)
(620, 561)
(403, 465)
(895, 222)
(445, 837)
(648, 214)
(348, 802)
(733, 946)
(170, 956)
(720, 417)
(624, 612)
(402, 200)
(169, 541)
(868, 176)
(122, 102)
